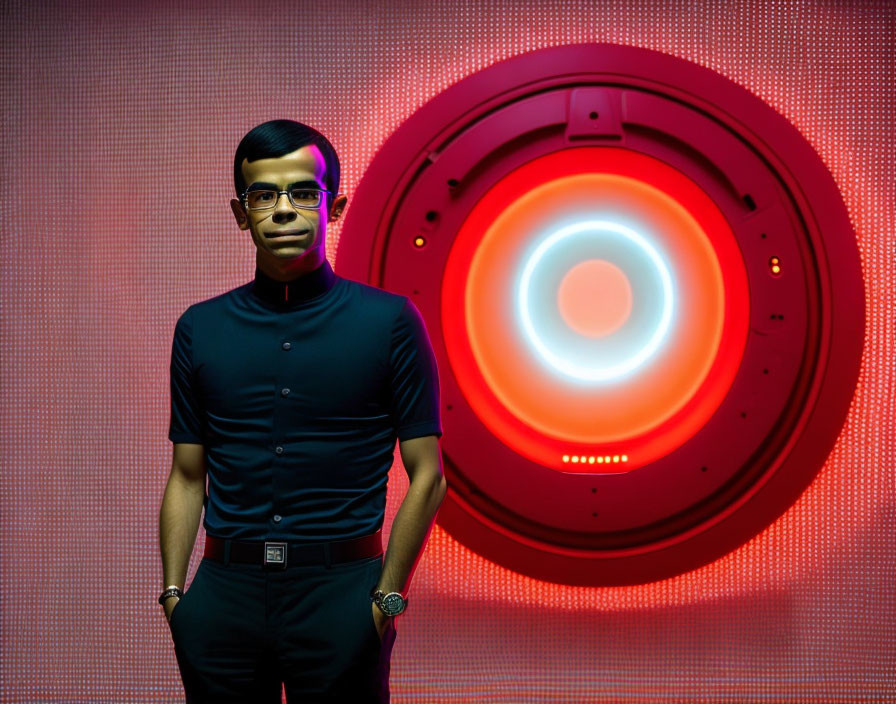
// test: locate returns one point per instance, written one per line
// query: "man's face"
(289, 238)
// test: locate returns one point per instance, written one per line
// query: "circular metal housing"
(645, 298)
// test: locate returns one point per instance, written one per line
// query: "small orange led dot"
(591, 459)
(615, 458)
(575, 458)
(566, 458)
(419, 241)
(625, 458)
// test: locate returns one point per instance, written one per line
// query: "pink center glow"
(595, 298)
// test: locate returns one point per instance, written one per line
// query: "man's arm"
(422, 460)
(180, 514)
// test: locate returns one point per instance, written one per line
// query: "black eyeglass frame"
(245, 200)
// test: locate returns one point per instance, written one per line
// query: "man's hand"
(169, 605)
(379, 619)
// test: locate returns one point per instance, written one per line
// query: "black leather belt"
(274, 554)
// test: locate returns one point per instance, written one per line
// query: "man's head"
(288, 229)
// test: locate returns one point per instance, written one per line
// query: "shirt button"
(277, 518)
(279, 450)
(284, 392)
(286, 345)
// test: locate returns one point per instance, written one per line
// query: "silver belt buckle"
(275, 554)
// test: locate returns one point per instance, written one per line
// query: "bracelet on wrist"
(169, 592)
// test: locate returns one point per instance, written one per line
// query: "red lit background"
(120, 125)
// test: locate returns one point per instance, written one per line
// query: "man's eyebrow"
(264, 185)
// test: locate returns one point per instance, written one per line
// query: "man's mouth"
(288, 233)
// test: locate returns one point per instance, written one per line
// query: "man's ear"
(240, 214)
(337, 207)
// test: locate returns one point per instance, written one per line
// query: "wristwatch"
(390, 604)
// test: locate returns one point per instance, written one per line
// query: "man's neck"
(289, 270)
(291, 292)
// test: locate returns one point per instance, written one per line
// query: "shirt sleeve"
(414, 377)
(186, 415)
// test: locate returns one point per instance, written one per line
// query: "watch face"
(393, 603)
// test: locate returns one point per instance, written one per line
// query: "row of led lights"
(591, 459)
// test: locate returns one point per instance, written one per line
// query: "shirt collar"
(288, 294)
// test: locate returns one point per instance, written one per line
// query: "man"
(288, 394)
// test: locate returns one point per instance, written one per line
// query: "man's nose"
(283, 211)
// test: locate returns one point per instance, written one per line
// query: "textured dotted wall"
(120, 121)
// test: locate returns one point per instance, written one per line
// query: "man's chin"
(289, 252)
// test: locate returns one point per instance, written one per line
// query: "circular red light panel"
(645, 299)
(637, 409)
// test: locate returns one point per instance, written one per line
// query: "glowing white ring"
(574, 370)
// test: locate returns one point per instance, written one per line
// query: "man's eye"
(304, 195)
(264, 195)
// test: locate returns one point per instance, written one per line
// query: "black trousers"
(241, 631)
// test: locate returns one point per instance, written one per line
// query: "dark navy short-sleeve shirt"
(298, 391)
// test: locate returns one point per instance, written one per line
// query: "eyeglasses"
(308, 198)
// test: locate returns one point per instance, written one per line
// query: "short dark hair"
(275, 138)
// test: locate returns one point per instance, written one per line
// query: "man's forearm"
(410, 530)
(178, 525)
